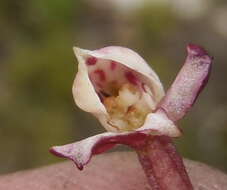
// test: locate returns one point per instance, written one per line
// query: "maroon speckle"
(91, 61)
(131, 78)
(101, 74)
(113, 65)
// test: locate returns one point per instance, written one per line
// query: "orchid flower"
(124, 93)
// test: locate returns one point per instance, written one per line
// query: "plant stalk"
(162, 164)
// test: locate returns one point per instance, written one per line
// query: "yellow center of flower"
(127, 108)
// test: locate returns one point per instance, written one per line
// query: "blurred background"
(37, 68)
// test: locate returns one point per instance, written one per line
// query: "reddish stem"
(162, 164)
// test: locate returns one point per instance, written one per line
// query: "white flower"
(118, 87)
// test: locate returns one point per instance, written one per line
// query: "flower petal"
(84, 90)
(81, 152)
(84, 93)
(188, 84)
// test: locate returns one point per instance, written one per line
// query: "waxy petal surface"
(188, 84)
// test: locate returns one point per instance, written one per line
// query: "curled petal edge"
(188, 84)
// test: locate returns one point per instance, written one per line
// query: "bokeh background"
(37, 68)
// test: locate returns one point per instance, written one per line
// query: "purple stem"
(162, 164)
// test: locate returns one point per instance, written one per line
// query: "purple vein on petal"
(189, 82)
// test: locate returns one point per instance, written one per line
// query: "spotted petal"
(117, 64)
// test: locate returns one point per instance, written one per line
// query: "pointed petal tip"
(78, 165)
(77, 50)
(57, 151)
(197, 50)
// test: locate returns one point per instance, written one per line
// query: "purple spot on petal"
(113, 65)
(101, 74)
(131, 78)
(91, 61)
